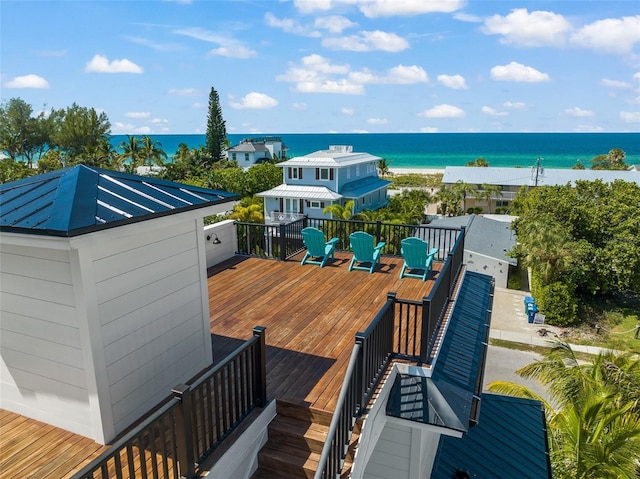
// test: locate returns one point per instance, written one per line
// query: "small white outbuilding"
(104, 304)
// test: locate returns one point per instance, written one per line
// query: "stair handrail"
(329, 465)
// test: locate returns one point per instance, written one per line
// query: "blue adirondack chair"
(318, 250)
(417, 257)
(364, 253)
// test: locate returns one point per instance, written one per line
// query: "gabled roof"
(82, 199)
(484, 236)
(301, 191)
(509, 441)
(361, 187)
(249, 147)
(449, 397)
(527, 176)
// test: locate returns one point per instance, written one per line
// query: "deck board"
(311, 314)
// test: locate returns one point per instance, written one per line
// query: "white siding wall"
(42, 372)
(149, 288)
(484, 264)
(392, 455)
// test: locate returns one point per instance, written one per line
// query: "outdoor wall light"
(216, 240)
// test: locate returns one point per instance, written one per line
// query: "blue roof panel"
(82, 199)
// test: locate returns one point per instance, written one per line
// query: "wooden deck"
(30, 448)
(311, 314)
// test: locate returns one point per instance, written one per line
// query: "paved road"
(502, 363)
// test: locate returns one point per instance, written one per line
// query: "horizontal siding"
(37, 308)
(55, 269)
(148, 290)
(391, 455)
(38, 328)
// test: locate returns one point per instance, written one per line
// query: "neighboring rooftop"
(484, 236)
(532, 176)
(336, 156)
(82, 199)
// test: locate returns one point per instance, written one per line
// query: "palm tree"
(449, 200)
(594, 414)
(131, 152)
(464, 189)
(478, 162)
(383, 167)
(248, 210)
(487, 192)
(151, 152)
(339, 211)
(545, 248)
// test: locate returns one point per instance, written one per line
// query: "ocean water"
(438, 150)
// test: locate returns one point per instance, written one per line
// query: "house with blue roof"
(103, 296)
(322, 178)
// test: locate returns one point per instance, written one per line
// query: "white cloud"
(493, 112)
(228, 47)
(347, 111)
(377, 121)
(331, 86)
(289, 25)
(119, 128)
(101, 64)
(588, 129)
(366, 41)
(429, 129)
(27, 81)
(443, 111)
(137, 114)
(299, 106)
(611, 35)
(535, 29)
(254, 101)
(516, 105)
(578, 112)
(184, 92)
(517, 72)
(321, 64)
(630, 117)
(160, 121)
(614, 83)
(334, 23)
(406, 75)
(456, 82)
(359, 131)
(198, 105)
(467, 17)
(388, 8)
(636, 76)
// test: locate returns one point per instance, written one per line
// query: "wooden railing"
(282, 241)
(172, 441)
(392, 333)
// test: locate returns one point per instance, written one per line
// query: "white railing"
(282, 217)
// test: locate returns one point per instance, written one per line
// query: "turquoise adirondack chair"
(417, 257)
(318, 250)
(364, 253)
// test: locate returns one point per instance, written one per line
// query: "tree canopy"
(216, 128)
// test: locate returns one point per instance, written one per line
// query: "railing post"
(378, 230)
(184, 432)
(425, 337)
(283, 241)
(260, 367)
(359, 374)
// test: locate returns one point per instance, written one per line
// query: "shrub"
(556, 301)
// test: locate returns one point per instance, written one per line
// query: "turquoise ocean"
(438, 150)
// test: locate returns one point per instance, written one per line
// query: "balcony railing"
(282, 241)
(393, 333)
(176, 438)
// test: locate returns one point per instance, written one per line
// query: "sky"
(320, 66)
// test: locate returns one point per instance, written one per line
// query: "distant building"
(510, 180)
(317, 180)
(251, 151)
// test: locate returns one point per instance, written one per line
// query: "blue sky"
(322, 66)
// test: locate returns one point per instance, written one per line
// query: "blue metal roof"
(82, 199)
(450, 397)
(509, 441)
(361, 187)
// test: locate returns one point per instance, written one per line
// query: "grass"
(501, 343)
(415, 180)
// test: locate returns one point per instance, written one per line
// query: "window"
(246, 157)
(233, 156)
(317, 204)
(502, 203)
(357, 170)
(295, 173)
(324, 174)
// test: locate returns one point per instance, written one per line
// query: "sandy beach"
(416, 171)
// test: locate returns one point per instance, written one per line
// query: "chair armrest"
(333, 241)
(381, 245)
(433, 252)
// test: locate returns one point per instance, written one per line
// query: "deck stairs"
(296, 437)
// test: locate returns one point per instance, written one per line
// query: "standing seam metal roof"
(82, 199)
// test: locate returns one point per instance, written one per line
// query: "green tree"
(151, 152)
(383, 167)
(130, 155)
(216, 128)
(341, 212)
(13, 170)
(249, 210)
(262, 177)
(449, 200)
(478, 162)
(614, 160)
(593, 417)
(464, 189)
(82, 135)
(488, 192)
(22, 136)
